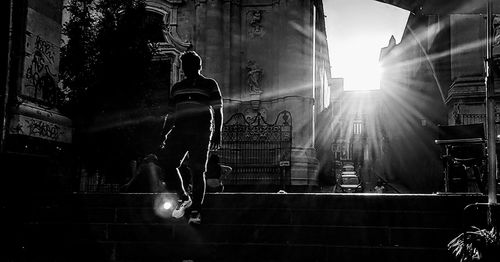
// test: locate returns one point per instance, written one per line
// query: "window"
(357, 127)
(154, 27)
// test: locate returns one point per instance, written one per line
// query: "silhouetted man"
(194, 107)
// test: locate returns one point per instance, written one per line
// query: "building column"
(200, 27)
(235, 79)
(226, 54)
(213, 60)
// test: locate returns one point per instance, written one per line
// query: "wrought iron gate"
(258, 152)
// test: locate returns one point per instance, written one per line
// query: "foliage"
(78, 54)
(124, 54)
(105, 62)
(472, 245)
(106, 76)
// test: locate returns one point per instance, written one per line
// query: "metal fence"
(258, 152)
(96, 184)
(467, 119)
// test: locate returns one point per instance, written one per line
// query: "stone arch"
(172, 46)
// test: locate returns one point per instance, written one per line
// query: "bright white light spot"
(360, 69)
(357, 30)
(363, 77)
(164, 204)
(167, 205)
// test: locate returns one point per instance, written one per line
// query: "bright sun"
(362, 76)
(361, 72)
(357, 30)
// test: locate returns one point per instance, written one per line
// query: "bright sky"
(356, 31)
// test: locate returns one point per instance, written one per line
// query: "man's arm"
(168, 120)
(168, 124)
(217, 135)
(216, 103)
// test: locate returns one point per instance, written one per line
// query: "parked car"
(348, 167)
(344, 167)
(350, 182)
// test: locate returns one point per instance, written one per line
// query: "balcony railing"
(467, 119)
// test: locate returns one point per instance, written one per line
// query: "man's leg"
(198, 155)
(171, 157)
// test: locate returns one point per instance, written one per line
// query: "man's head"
(191, 63)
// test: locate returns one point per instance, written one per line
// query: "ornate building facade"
(267, 55)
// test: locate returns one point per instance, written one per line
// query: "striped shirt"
(193, 98)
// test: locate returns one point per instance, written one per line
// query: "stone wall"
(35, 114)
(37, 146)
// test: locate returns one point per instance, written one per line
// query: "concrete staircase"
(236, 227)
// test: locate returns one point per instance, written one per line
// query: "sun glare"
(361, 70)
(357, 30)
(365, 76)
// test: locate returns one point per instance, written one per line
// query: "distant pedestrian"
(379, 187)
(146, 176)
(213, 174)
(193, 125)
(216, 173)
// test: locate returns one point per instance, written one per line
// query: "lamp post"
(490, 109)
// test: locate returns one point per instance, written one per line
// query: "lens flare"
(164, 204)
(362, 71)
(167, 205)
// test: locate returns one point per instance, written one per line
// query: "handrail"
(464, 140)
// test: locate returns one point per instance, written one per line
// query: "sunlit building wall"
(323, 108)
(415, 86)
(267, 56)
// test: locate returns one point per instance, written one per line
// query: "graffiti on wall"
(43, 129)
(41, 73)
(24, 125)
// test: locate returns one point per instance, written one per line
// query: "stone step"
(236, 227)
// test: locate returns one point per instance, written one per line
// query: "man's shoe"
(195, 218)
(181, 208)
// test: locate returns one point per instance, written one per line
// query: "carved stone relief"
(496, 30)
(254, 77)
(496, 35)
(456, 114)
(497, 115)
(254, 19)
(169, 12)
